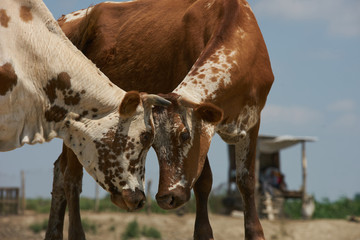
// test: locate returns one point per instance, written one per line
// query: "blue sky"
(315, 54)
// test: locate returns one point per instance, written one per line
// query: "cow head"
(121, 141)
(109, 130)
(183, 135)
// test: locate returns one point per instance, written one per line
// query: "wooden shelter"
(12, 199)
(9, 200)
(271, 189)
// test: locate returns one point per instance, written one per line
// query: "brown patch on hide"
(55, 114)
(111, 145)
(63, 84)
(64, 81)
(115, 143)
(25, 14)
(8, 78)
(4, 18)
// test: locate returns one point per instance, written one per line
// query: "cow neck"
(210, 77)
(59, 92)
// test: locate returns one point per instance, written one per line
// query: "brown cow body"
(216, 51)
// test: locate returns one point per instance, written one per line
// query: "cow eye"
(184, 136)
(145, 138)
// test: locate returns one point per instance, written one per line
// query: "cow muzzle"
(129, 200)
(172, 199)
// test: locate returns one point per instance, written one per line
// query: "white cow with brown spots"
(49, 89)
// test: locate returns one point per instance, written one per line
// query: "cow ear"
(209, 113)
(129, 104)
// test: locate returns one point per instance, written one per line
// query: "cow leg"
(245, 178)
(73, 186)
(202, 188)
(55, 226)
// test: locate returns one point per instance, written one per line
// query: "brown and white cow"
(216, 50)
(49, 89)
(233, 72)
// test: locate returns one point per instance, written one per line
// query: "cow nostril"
(140, 204)
(166, 201)
(172, 201)
(141, 199)
(134, 200)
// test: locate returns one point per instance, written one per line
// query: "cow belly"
(16, 131)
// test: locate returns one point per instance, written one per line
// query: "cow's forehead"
(172, 119)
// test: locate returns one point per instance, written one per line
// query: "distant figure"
(273, 179)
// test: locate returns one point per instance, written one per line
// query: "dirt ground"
(110, 226)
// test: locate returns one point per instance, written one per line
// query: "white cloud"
(294, 115)
(345, 115)
(339, 117)
(342, 16)
(347, 121)
(324, 54)
(344, 105)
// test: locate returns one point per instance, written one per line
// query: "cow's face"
(118, 163)
(109, 138)
(183, 134)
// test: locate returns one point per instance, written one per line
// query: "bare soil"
(110, 226)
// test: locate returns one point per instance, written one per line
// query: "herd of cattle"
(171, 75)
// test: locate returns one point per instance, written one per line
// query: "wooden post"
(148, 198)
(269, 208)
(23, 199)
(257, 176)
(231, 153)
(304, 175)
(97, 200)
(304, 169)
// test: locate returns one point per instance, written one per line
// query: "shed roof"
(272, 144)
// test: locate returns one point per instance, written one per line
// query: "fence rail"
(9, 201)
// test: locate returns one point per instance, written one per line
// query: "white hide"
(77, 15)
(39, 51)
